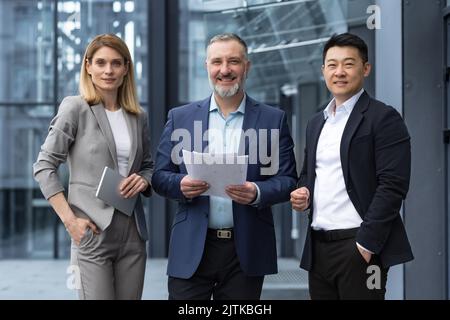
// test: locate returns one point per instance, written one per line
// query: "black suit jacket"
(376, 164)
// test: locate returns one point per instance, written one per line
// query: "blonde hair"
(127, 96)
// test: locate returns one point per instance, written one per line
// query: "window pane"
(285, 40)
(26, 58)
(26, 226)
(79, 21)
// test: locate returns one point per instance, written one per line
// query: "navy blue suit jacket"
(253, 225)
(376, 163)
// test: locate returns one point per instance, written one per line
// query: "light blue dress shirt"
(224, 135)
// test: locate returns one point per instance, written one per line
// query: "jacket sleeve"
(147, 162)
(54, 151)
(277, 188)
(393, 166)
(303, 180)
(167, 177)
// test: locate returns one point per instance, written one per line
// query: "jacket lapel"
(350, 128)
(102, 120)
(131, 121)
(203, 117)
(251, 116)
(316, 128)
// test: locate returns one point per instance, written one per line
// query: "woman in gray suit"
(104, 126)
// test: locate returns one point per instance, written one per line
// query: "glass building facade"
(42, 43)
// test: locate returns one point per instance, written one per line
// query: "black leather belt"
(221, 233)
(334, 235)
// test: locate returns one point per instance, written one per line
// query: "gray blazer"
(81, 134)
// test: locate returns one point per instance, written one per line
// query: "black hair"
(347, 40)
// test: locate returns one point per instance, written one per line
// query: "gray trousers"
(111, 265)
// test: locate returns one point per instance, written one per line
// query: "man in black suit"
(355, 176)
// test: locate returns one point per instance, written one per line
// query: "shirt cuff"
(360, 246)
(258, 196)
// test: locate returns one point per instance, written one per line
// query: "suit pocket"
(87, 236)
(359, 255)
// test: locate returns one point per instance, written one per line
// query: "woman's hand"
(133, 185)
(77, 227)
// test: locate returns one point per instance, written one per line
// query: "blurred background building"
(42, 43)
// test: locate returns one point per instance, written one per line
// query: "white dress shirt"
(224, 136)
(333, 208)
(122, 139)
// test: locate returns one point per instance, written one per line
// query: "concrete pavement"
(47, 280)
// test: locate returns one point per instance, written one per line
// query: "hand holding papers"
(218, 170)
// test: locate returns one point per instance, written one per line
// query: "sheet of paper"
(218, 170)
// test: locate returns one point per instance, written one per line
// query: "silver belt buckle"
(224, 234)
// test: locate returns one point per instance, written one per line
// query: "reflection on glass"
(27, 51)
(79, 21)
(285, 40)
(28, 226)
(25, 223)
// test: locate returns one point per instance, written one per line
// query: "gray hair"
(229, 37)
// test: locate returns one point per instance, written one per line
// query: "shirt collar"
(213, 106)
(347, 106)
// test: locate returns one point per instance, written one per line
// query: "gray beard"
(225, 93)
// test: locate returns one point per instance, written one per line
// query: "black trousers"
(219, 275)
(339, 271)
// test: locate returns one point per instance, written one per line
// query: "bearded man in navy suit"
(223, 247)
